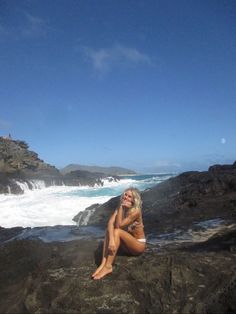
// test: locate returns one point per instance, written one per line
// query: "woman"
(125, 229)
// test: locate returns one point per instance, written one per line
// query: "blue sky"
(148, 85)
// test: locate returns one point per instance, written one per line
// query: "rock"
(16, 158)
(20, 166)
(82, 218)
(22, 169)
(184, 199)
(55, 278)
(182, 275)
(7, 234)
(82, 177)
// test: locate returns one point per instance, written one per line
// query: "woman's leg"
(104, 254)
(131, 245)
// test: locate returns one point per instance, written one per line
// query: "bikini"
(137, 224)
(143, 240)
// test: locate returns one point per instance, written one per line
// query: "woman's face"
(127, 199)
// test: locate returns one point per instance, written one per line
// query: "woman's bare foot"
(99, 268)
(107, 269)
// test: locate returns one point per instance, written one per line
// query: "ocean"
(57, 205)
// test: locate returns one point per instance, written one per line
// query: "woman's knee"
(117, 232)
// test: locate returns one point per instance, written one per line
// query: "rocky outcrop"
(36, 277)
(83, 217)
(179, 201)
(22, 169)
(15, 158)
(82, 177)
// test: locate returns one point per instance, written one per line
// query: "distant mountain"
(106, 170)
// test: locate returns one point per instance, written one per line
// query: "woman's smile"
(128, 198)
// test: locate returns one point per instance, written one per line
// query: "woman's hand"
(127, 199)
(112, 247)
(126, 204)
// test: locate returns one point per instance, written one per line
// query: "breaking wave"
(57, 205)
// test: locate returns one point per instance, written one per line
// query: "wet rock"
(82, 217)
(9, 233)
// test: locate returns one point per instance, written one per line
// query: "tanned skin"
(116, 236)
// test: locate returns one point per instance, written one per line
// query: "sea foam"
(46, 207)
(57, 205)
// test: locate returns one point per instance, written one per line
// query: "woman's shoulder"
(134, 211)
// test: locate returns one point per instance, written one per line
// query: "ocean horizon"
(57, 205)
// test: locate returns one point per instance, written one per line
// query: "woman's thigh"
(130, 244)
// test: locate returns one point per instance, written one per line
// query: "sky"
(147, 85)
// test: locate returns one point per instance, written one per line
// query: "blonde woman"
(125, 229)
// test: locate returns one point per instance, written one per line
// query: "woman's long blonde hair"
(136, 197)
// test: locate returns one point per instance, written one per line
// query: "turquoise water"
(57, 205)
(111, 189)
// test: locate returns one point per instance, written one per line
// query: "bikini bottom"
(142, 240)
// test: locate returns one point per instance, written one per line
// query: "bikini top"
(138, 223)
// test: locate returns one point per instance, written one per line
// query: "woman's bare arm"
(119, 217)
(130, 218)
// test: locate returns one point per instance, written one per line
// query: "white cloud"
(131, 54)
(106, 58)
(100, 58)
(29, 26)
(34, 26)
(223, 140)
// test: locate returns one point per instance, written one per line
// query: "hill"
(107, 170)
(22, 169)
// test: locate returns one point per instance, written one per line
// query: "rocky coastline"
(181, 201)
(22, 169)
(188, 266)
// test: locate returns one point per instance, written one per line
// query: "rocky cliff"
(15, 157)
(19, 166)
(22, 169)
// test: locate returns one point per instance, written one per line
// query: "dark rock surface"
(82, 177)
(19, 164)
(180, 201)
(36, 277)
(22, 169)
(82, 217)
